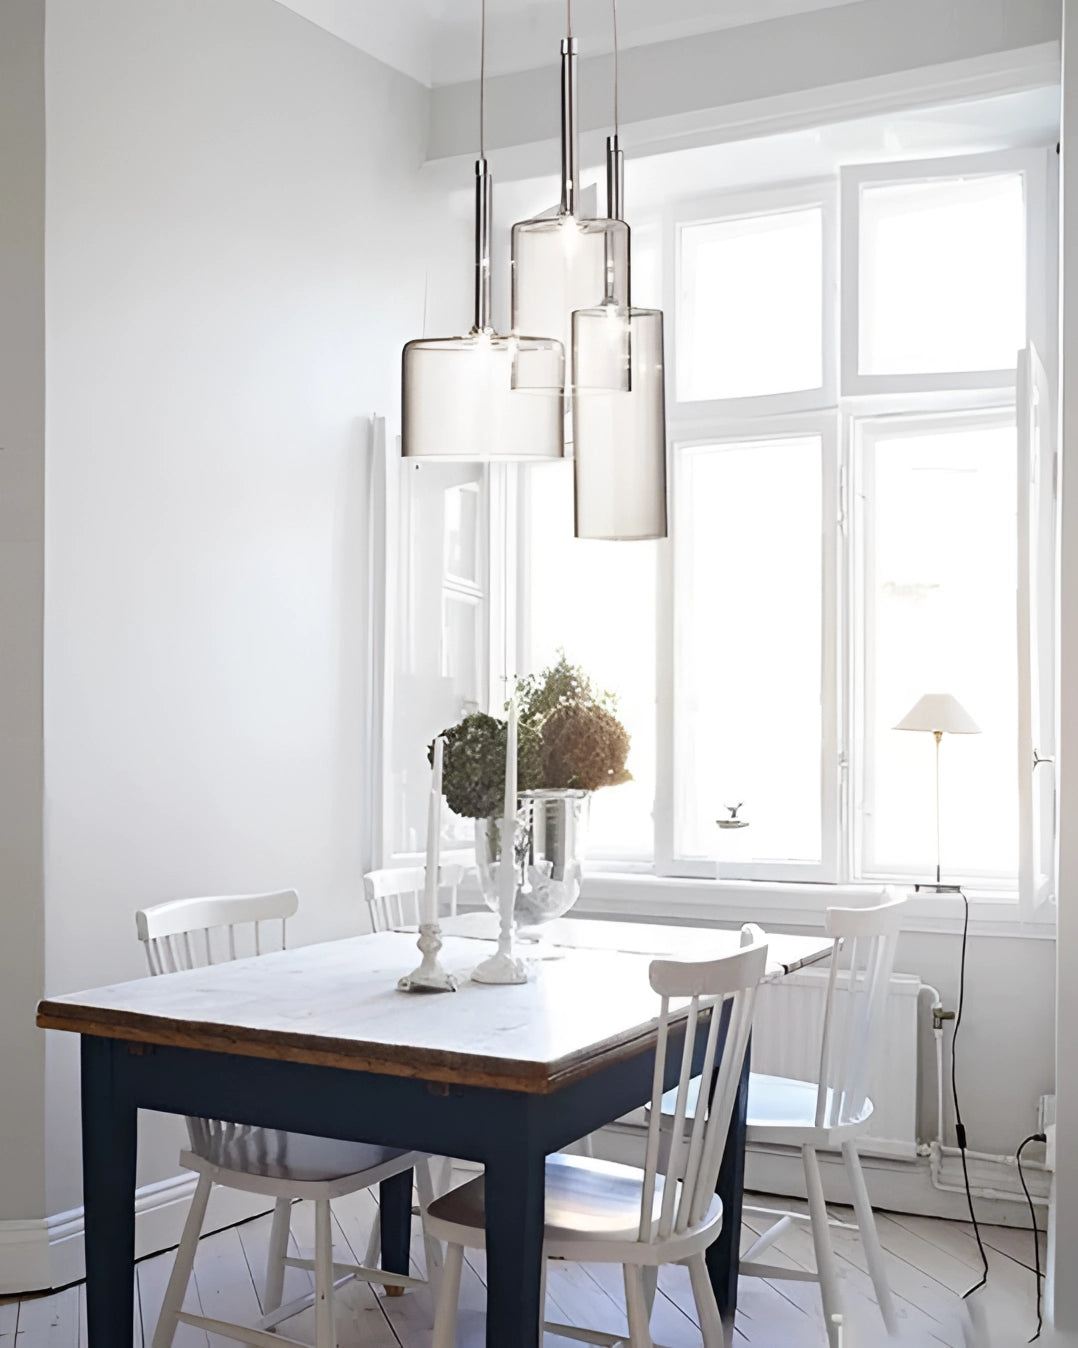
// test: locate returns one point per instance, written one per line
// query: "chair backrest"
(862, 961)
(393, 894)
(721, 996)
(191, 933)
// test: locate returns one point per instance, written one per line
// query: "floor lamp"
(941, 714)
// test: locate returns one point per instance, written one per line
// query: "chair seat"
(781, 1109)
(587, 1201)
(274, 1155)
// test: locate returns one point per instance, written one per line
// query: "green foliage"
(569, 737)
(560, 685)
(473, 769)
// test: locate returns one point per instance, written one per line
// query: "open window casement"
(431, 641)
(1037, 544)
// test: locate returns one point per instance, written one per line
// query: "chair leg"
(444, 1175)
(325, 1334)
(826, 1268)
(182, 1265)
(445, 1319)
(636, 1308)
(278, 1249)
(373, 1256)
(650, 1274)
(870, 1239)
(706, 1306)
(431, 1247)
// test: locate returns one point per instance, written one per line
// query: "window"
(597, 602)
(939, 614)
(862, 493)
(748, 609)
(750, 305)
(940, 274)
(925, 251)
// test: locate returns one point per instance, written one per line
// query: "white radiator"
(786, 1036)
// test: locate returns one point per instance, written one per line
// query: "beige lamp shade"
(939, 713)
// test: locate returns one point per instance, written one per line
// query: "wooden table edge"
(536, 1079)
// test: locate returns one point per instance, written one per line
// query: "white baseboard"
(46, 1253)
(893, 1185)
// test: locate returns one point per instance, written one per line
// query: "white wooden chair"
(832, 1112)
(393, 894)
(192, 933)
(600, 1212)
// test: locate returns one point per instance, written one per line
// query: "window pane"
(748, 673)
(440, 655)
(940, 608)
(750, 306)
(942, 275)
(597, 601)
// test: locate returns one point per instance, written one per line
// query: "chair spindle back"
(393, 895)
(861, 965)
(721, 997)
(194, 933)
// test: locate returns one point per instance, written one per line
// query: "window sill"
(648, 897)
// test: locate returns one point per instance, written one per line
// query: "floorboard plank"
(361, 1319)
(153, 1275)
(930, 1261)
(50, 1322)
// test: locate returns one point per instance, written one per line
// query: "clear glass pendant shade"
(483, 396)
(459, 400)
(563, 264)
(619, 434)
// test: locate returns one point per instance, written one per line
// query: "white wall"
(22, 456)
(824, 48)
(237, 242)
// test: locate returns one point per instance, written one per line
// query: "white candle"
(429, 911)
(507, 871)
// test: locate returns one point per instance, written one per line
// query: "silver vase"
(548, 848)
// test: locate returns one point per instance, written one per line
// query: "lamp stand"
(937, 888)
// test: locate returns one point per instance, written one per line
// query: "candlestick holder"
(429, 976)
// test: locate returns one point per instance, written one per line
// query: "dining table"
(319, 1040)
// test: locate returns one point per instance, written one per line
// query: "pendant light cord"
(614, 11)
(482, 79)
(568, 18)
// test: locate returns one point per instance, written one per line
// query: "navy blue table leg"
(722, 1255)
(109, 1145)
(515, 1185)
(395, 1219)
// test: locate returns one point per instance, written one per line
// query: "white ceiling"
(437, 41)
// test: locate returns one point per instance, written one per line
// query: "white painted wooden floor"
(931, 1262)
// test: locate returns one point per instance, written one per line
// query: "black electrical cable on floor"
(1033, 1137)
(959, 1126)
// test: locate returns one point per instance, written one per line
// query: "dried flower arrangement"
(569, 739)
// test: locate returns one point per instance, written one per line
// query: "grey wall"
(22, 460)
(808, 51)
(237, 249)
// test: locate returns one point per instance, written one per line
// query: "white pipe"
(937, 1034)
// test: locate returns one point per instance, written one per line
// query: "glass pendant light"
(483, 396)
(566, 262)
(619, 403)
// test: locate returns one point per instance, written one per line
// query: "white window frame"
(1038, 638)
(734, 206)
(1032, 165)
(672, 622)
(994, 410)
